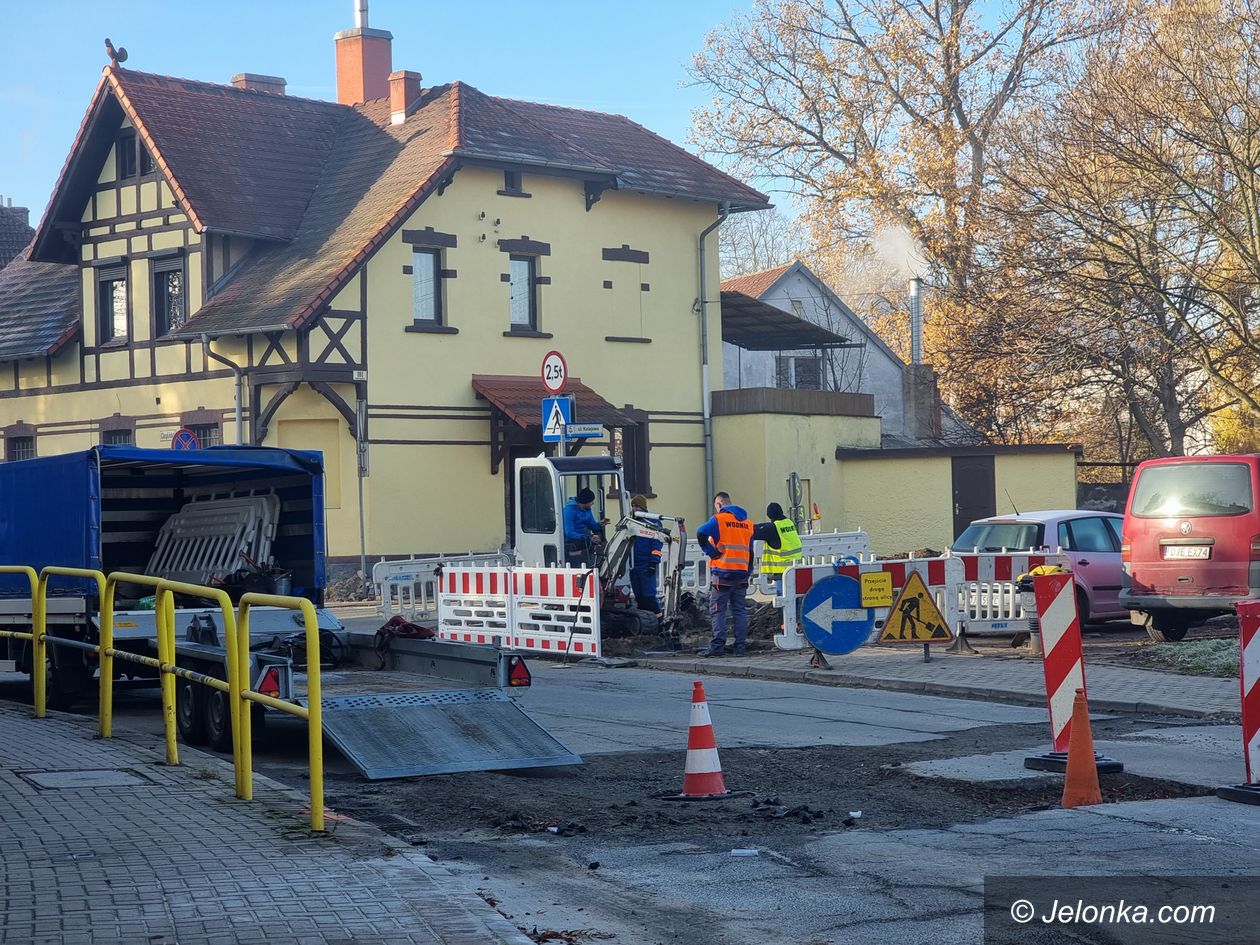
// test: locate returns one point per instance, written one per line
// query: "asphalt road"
(910, 870)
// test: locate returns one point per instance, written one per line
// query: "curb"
(919, 686)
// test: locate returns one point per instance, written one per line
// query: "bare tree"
(880, 112)
(753, 242)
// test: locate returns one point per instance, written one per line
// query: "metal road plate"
(405, 734)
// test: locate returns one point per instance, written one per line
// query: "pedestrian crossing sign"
(915, 616)
(557, 414)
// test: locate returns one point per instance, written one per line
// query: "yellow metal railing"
(237, 685)
(39, 655)
(312, 712)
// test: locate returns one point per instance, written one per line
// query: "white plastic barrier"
(988, 599)
(822, 548)
(408, 586)
(547, 610)
(943, 577)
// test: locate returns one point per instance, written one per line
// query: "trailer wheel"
(191, 710)
(218, 720)
(68, 680)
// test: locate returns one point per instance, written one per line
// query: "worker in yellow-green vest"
(774, 562)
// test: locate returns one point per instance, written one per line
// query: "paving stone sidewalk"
(169, 856)
(1111, 688)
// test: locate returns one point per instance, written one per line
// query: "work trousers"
(643, 583)
(735, 595)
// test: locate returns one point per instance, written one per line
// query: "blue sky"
(600, 55)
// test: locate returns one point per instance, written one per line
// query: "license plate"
(1187, 551)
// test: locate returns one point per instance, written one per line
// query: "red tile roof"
(755, 284)
(245, 161)
(326, 184)
(520, 399)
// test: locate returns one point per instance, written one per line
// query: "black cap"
(585, 496)
(775, 511)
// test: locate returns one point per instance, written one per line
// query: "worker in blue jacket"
(645, 561)
(582, 531)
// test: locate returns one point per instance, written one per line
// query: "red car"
(1191, 540)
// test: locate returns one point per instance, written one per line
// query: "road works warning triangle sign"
(914, 617)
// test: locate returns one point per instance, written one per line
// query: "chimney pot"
(364, 63)
(404, 92)
(259, 83)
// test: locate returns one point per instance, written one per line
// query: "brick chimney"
(259, 83)
(404, 92)
(364, 60)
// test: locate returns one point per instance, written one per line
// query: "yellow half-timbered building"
(378, 278)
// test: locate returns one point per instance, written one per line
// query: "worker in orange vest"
(727, 539)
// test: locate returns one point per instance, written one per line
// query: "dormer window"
(512, 185)
(126, 149)
(132, 157)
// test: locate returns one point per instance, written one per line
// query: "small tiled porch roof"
(520, 400)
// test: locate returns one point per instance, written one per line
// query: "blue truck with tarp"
(247, 519)
(244, 518)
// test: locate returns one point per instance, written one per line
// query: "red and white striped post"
(1249, 683)
(1064, 666)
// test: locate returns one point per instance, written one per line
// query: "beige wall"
(1035, 481)
(904, 504)
(755, 454)
(436, 428)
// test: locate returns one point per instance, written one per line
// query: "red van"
(1191, 540)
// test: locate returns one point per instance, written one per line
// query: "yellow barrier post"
(104, 650)
(166, 605)
(313, 712)
(166, 682)
(39, 658)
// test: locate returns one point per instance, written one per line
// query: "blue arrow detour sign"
(833, 616)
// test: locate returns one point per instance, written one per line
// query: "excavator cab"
(544, 484)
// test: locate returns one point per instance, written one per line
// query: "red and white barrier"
(943, 576)
(989, 601)
(546, 610)
(556, 610)
(1064, 662)
(1249, 683)
(474, 605)
(1064, 668)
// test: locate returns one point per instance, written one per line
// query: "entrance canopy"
(516, 411)
(754, 325)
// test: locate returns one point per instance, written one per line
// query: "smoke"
(897, 248)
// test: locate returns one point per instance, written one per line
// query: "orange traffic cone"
(702, 776)
(1080, 787)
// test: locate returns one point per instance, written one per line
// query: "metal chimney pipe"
(916, 320)
(361, 14)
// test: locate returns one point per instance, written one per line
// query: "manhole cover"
(89, 778)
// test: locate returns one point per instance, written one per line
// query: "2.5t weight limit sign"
(555, 372)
